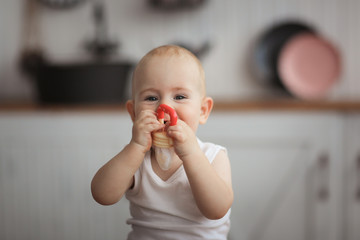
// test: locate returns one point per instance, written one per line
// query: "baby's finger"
(176, 133)
(146, 118)
(151, 127)
(149, 120)
(147, 113)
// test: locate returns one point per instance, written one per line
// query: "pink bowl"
(309, 66)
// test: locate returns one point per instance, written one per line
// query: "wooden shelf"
(288, 105)
(241, 105)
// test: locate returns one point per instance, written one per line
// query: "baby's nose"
(165, 102)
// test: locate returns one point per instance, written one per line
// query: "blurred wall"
(231, 27)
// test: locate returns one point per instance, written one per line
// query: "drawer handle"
(323, 177)
(357, 191)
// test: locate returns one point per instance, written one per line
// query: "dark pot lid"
(268, 47)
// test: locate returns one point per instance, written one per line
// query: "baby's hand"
(184, 138)
(145, 123)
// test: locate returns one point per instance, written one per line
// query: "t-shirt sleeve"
(211, 150)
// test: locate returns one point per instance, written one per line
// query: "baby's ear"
(130, 109)
(206, 107)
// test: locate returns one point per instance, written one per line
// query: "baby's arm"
(210, 183)
(117, 176)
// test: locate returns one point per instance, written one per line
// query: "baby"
(192, 199)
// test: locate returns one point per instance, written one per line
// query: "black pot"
(268, 47)
(94, 83)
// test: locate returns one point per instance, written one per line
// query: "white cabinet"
(47, 162)
(286, 173)
(352, 178)
(287, 169)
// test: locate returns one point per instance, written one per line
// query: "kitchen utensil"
(268, 47)
(101, 47)
(295, 57)
(78, 83)
(61, 4)
(308, 66)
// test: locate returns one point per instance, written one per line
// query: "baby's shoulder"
(211, 150)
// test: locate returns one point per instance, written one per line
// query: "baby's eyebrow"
(180, 89)
(147, 90)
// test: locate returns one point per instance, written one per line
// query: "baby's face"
(172, 80)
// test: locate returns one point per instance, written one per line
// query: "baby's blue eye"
(151, 99)
(179, 97)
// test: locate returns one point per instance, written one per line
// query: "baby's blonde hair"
(171, 50)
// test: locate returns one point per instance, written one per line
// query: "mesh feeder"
(162, 144)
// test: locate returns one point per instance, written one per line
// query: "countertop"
(219, 105)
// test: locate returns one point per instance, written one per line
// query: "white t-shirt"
(167, 210)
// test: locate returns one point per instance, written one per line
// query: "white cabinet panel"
(46, 166)
(284, 167)
(352, 178)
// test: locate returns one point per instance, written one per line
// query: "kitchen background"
(295, 172)
(230, 27)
